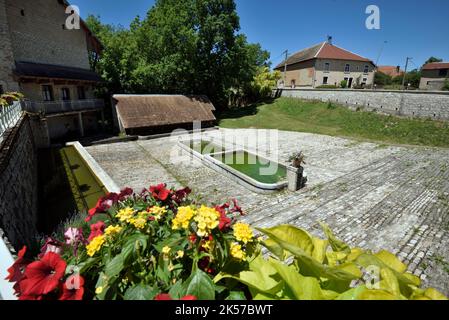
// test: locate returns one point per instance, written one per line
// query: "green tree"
(413, 77)
(382, 79)
(433, 59)
(181, 46)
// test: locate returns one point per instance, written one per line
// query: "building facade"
(326, 65)
(50, 64)
(434, 75)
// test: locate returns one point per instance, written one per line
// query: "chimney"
(329, 40)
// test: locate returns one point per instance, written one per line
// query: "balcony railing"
(9, 115)
(54, 107)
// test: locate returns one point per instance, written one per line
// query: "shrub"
(344, 84)
(9, 97)
(327, 86)
(161, 245)
(446, 85)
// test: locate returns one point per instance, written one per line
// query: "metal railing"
(53, 107)
(9, 115)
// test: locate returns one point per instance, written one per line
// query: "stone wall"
(433, 105)
(6, 55)
(37, 34)
(19, 185)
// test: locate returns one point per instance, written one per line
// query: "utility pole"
(405, 72)
(285, 67)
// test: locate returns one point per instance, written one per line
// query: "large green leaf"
(138, 240)
(200, 285)
(292, 235)
(140, 292)
(391, 261)
(302, 288)
(115, 266)
(337, 245)
(319, 249)
(377, 295)
(259, 276)
(308, 265)
(236, 295)
(389, 282)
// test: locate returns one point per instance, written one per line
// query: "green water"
(251, 165)
(206, 147)
(67, 186)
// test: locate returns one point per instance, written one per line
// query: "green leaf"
(258, 277)
(377, 295)
(140, 292)
(351, 294)
(291, 235)
(115, 266)
(391, 261)
(176, 290)
(319, 249)
(136, 240)
(389, 282)
(434, 294)
(236, 295)
(200, 285)
(337, 245)
(309, 266)
(303, 288)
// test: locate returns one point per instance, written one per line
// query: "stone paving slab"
(372, 196)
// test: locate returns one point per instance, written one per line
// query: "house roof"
(40, 70)
(323, 50)
(436, 66)
(392, 71)
(143, 111)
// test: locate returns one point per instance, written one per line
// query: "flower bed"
(159, 244)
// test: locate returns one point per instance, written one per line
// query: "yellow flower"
(179, 254)
(99, 290)
(140, 221)
(158, 212)
(207, 245)
(171, 267)
(183, 217)
(125, 214)
(95, 245)
(112, 230)
(207, 219)
(237, 252)
(166, 250)
(243, 233)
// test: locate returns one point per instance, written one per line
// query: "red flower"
(237, 208)
(189, 297)
(180, 195)
(160, 192)
(15, 272)
(166, 296)
(163, 296)
(103, 205)
(125, 193)
(192, 238)
(42, 277)
(96, 230)
(224, 221)
(73, 288)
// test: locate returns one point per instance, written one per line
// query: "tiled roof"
(323, 50)
(39, 70)
(436, 66)
(145, 111)
(392, 71)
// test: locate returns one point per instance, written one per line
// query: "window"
(325, 80)
(365, 80)
(47, 93)
(442, 72)
(366, 70)
(293, 84)
(22, 13)
(65, 93)
(81, 93)
(347, 68)
(327, 67)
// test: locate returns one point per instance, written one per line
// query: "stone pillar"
(80, 122)
(294, 178)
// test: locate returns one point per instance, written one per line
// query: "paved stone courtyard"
(372, 196)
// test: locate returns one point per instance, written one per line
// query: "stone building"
(49, 62)
(326, 64)
(434, 75)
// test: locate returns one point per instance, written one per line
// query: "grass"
(291, 114)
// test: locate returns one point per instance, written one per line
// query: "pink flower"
(96, 230)
(50, 245)
(73, 235)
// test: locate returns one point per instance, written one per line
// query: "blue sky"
(414, 28)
